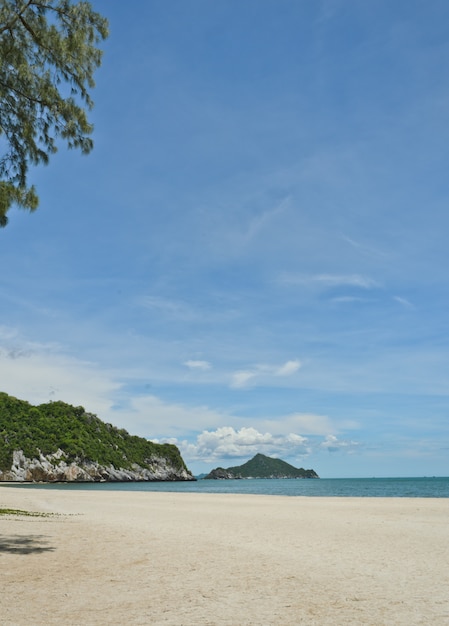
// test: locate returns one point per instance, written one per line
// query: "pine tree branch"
(17, 16)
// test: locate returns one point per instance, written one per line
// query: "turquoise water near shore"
(434, 487)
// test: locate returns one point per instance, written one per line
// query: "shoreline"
(197, 559)
(423, 487)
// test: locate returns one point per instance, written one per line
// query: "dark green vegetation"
(81, 435)
(48, 56)
(262, 466)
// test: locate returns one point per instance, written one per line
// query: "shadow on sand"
(17, 544)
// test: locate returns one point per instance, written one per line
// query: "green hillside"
(262, 466)
(81, 435)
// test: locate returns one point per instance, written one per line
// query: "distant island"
(261, 466)
(59, 442)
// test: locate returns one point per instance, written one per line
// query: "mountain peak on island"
(261, 466)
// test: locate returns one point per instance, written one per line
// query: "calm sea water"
(437, 487)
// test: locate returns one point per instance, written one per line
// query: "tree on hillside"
(48, 56)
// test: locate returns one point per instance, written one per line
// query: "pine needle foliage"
(48, 55)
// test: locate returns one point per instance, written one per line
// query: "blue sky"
(254, 257)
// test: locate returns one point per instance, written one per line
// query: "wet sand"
(115, 558)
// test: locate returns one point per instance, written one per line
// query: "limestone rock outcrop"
(55, 468)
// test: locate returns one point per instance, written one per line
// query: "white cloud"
(198, 365)
(242, 378)
(222, 445)
(332, 444)
(226, 443)
(289, 368)
(263, 372)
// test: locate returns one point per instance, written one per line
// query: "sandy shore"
(115, 558)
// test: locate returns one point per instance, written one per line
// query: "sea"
(424, 487)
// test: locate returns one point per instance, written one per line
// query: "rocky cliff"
(60, 442)
(56, 468)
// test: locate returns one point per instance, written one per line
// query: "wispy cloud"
(173, 308)
(404, 302)
(185, 311)
(304, 423)
(154, 418)
(365, 249)
(40, 372)
(330, 280)
(349, 299)
(289, 368)
(263, 219)
(198, 365)
(348, 280)
(333, 444)
(244, 378)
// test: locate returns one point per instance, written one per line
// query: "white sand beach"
(115, 558)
